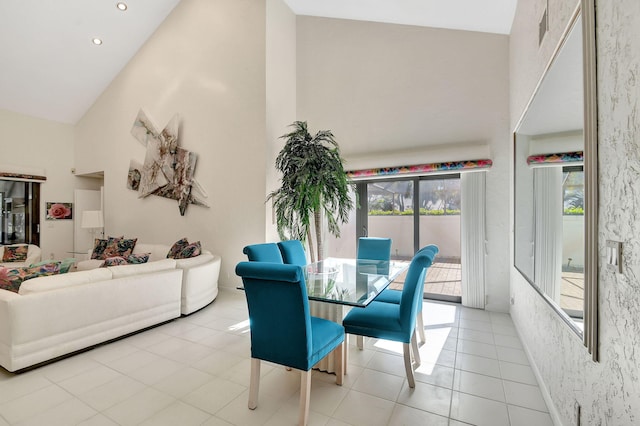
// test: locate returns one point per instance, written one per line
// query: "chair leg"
(416, 352)
(360, 342)
(420, 325)
(408, 364)
(339, 358)
(305, 393)
(345, 351)
(254, 383)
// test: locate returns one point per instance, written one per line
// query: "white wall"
(385, 87)
(608, 391)
(281, 94)
(206, 62)
(41, 144)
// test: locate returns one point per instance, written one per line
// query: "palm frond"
(313, 182)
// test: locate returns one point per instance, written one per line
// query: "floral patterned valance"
(453, 166)
(550, 159)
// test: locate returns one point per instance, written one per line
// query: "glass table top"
(354, 282)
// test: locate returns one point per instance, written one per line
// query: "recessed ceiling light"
(96, 41)
(122, 6)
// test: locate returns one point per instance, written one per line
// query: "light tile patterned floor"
(195, 371)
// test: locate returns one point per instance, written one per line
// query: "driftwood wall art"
(167, 170)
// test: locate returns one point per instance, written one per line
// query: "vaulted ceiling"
(50, 67)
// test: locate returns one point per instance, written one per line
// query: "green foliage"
(574, 211)
(409, 212)
(314, 184)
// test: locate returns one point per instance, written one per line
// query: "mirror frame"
(589, 335)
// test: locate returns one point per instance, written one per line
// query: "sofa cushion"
(55, 282)
(15, 253)
(155, 251)
(205, 257)
(143, 268)
(177, 247)
(89, 264)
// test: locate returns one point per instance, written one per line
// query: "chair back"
(372, 248)
(293, 252)
(265, 252)
(413, 286)
(278, 313)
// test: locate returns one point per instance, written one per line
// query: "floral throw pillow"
(120, 247)
(177, 247)
(191, 250)
(114, 261)
(98, 248)
(15, 253)
(12, 279)
(135, 259)
(9, 282)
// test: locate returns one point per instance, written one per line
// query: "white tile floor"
(195, 371)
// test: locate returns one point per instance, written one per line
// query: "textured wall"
(608, 391)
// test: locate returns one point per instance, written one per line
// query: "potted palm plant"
(314, 186)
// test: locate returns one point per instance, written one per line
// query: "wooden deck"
(443, 277)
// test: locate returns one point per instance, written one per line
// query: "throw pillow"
(66, 264)
(15, 253)
(177, 247)
(50, 268)
(98, 248)
(138, 258)
(9, 282)
(11, 279)
(120, 247)
(191, 250)
(114, 261)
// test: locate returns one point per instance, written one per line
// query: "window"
(20, 218)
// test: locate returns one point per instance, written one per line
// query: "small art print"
(56, 211)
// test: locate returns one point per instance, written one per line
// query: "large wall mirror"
(556, 183)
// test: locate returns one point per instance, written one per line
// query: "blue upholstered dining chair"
(282, 330)
(292, 252)
(374, 248)
(264, 252)
(392, 321)
(390, 295)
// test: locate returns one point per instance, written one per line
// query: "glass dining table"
(350, 282)
(336, 285)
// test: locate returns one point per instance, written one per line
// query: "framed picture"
(58, 211)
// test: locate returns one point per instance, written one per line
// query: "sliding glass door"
(413, 212)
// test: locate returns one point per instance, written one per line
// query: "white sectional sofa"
(199, 280)
(61, 314)
(56, 315)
